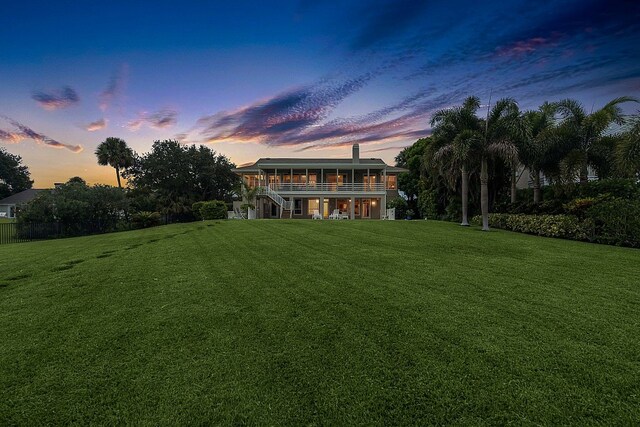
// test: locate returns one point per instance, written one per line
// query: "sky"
(302, 78)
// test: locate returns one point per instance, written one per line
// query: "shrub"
(145, 219)
(400, 204)
(563, 226)
(428, 204)
(214, 209)
(616, 221)
(196, 210)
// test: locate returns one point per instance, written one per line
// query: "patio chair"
(316, 214)
(343, 215)
(335, 214)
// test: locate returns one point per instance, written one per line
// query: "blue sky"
(290, 78)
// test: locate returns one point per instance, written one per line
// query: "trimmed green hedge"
(608, 221)
(563, 226)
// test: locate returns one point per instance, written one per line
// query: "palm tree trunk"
(118, 176)
(484, 193)
(513, 185)
(536, 186)
(584, 173)
(465, 196)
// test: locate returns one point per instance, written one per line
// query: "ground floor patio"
(324, 207)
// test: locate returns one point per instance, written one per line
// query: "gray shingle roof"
(21, 197)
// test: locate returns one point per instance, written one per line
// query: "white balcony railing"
(346, 187)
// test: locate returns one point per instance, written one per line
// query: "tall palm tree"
(115, 153)
(583, 130)
(534, 148)
(502, 127)
(455, 128)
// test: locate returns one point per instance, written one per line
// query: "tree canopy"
(14, 176)
(177, 175)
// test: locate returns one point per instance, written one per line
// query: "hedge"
(609, 221)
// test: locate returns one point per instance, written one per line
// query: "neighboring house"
(525, 180)
(9, 204)
(357, 188)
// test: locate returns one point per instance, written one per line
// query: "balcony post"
(291, 180)
(306, 181)
(275, 180)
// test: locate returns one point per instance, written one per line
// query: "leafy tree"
(581, 132)
(411, 158)
(14, 176)
(177, 176)
(78, 207)
(115, 153)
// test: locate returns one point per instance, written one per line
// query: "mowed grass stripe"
(319, 322)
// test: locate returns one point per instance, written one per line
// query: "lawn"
(325, 322)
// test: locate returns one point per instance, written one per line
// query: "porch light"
(373, 202)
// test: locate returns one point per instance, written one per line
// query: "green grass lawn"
(325, 322)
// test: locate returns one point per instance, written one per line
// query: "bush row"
(611, 221)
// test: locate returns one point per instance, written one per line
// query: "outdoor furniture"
(335, 214)
(239, 214)
(343, 215)
(316, 214)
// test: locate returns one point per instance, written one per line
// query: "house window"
(12, 211)
(297, 206)
(392, 182)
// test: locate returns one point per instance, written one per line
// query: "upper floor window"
(392, 182)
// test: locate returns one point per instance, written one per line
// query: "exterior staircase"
(285, 205)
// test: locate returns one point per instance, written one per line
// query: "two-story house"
(356, 188)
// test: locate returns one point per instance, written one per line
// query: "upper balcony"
(323, 188)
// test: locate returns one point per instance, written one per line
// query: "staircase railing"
(284, 204)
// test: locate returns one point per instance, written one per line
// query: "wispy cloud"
(57, 98)
(97, 125)
(114, 88)
(159, 120)
(288, 113)
(22, 132)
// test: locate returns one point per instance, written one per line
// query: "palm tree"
(534, 148)
(583, 130)
(115, 153)
(628, 149)
(503, 126)
(456, 129)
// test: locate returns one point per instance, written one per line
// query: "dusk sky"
(290, 78)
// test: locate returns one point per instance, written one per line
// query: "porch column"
(321, 207)
(291, 180)
(306, 181)
(275, 180)
(352, 208)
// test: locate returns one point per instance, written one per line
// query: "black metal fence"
(16, 232)
(13, 232)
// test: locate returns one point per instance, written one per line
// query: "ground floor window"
(297, 206)
(12, 211)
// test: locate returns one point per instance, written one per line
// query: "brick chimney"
(356, 153)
